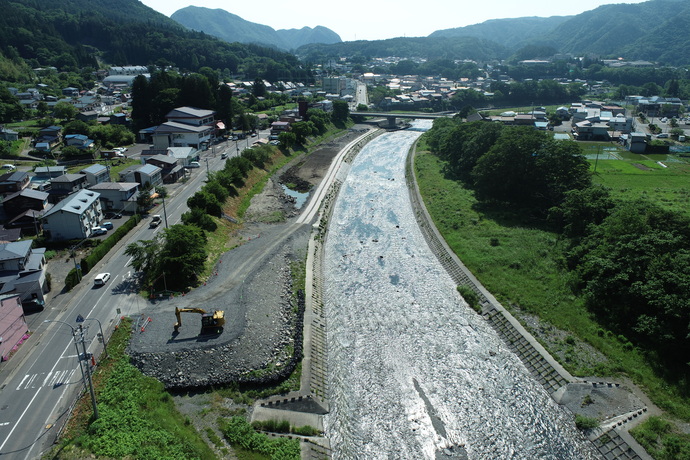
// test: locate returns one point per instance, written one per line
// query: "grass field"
(664, 179)
(522, 266)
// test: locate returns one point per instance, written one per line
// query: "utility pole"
(88, 373)
(165, 214)
(79, 359)
(208, 171)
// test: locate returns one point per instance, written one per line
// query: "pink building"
(13, 328)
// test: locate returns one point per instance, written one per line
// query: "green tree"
(144, 254)
(259, 88)
(341, 111)
(287, 140)
(199, 218)
(183, 254)
(65, 111)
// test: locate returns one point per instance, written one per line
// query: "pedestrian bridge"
(392, 116)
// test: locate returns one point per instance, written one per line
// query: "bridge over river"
(393, 116)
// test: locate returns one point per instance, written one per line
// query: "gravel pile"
(261, 324)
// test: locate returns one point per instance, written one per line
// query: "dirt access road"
(251, 283)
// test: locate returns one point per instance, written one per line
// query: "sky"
(376, 19)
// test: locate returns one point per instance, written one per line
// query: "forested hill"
(232, 28)
(512, 33)
(430, 48)
(655, 31)
(72, 34)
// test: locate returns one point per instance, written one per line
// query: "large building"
(74, 217)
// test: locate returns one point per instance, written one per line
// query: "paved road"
(43, 378)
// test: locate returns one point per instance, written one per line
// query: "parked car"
(96, 231)
(9, 167)
(101, 279)
(107, 225)
(223, 156)
(194, 164)
(662, 136)
(120, 149)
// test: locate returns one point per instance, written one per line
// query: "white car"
(101, 279)
(120, 149)
(96, 231)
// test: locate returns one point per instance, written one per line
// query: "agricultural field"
(665, 179)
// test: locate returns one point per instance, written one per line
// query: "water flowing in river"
(412, 369)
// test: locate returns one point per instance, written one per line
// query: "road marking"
(4, 423)
(53, 378)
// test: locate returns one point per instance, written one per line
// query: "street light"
(87, 382)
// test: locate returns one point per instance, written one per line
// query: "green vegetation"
(585, 423)
(640, 176)
(471, 297)
(240, 433)
(137, 418)
(283, 426)
(611, 272)
(661, 439)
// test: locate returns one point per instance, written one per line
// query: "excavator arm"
(210, 322)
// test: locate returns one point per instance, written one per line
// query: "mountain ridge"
(232, 28)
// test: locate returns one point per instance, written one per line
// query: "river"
(414, 373)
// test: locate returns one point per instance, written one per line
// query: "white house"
(117, 196)
(143, 175)
(174, 134)
(95, 174)
(75, 216)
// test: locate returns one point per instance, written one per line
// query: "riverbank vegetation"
(522, 213)
(137, 417)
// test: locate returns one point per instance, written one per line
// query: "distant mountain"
(232, 28)
(655, 31)
(511, 33)
(72, 34)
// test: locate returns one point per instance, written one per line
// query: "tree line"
(629, 260)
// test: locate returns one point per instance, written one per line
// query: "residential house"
(184, 155)
(144, 175)
(186, 127)
(588, 131)
(636, 142)
(621, 124)
(117, 196)
(19, 202)
(6, 134)
(87, 116)
(74, 217)
(191, 116)
(170, 170)
(96, 173)
(79, 141)
(13, 327)
(49, 172)
(12, 182)
(174, 134)
(70, 92)
(48, 138)
(22, 272)
(66, 185)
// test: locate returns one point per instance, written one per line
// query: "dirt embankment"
(252, 284)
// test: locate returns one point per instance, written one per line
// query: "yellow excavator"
(211, 323)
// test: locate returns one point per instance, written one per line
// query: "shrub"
(470, 296)
(240, 433)
(72, 279)
(585, 423)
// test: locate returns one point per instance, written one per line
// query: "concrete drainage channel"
(612, 442)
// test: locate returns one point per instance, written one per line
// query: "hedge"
(107, 244)
(100, 251)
